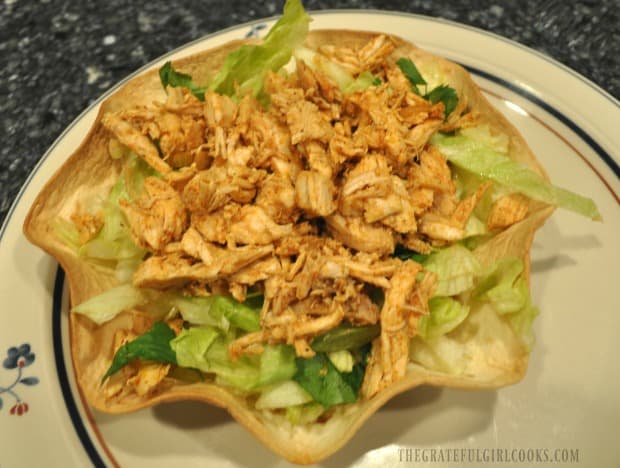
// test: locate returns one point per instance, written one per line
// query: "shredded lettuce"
(478, 157)
(342, 360)
(445, 315)
(507, 291)
(283, 395)
(316, 60)
(246, 66)
(304, 414)
(522, 322)
(191, 345)
(363, 81)
(206, 349)
(503, 287)
(110, 303)
(456, 268)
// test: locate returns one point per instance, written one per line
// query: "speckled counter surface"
(56, 57)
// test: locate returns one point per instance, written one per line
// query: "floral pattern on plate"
(17, 359)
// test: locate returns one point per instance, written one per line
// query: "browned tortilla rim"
(496, 356)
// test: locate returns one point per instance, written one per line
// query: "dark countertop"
(58, 56)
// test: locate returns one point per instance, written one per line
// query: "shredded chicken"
(304, 200)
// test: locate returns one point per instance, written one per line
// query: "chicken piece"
(226, 261)
(179, 179)
(418, 136)
(432, 172)
(315, 79)
(375, 51)
(402, 221)
(219, 110)
(368, 182)
(507, 211)
(318, 158)
(158, 217)
(441, 228)
(390, 351)
(358, 235)
(252, 226)
(212, 189)
(177, 136)
(306, 122)
(214, 227)
(368, 270)
(276, 196)
(87, 224)
(421, 200)
(260, 270)
(343, 148)
(176, 270)
(269, 137)
(413, 242)
(136, 141)
(148, 378)
(344, 56)
(466, 206)
(314, 194)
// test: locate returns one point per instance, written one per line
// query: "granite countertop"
(58, 56)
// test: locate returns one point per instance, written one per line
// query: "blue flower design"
(18, 357)
(255, 30)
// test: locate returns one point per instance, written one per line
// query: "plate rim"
(520, 91)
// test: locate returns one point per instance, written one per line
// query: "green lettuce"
(206, 349)
(445, 315)
(110, 303)
(246, 67)
(216, 310)
(283, 395)
(456, 269)
(483, 160)
(507, 291)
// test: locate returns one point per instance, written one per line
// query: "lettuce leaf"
(507, 291)
(320, 378)
(445, 315)
(363, 81)
(481, 159)
(246, 67)
(456, 268)
(283, 395)
(191, 345)
(110, 303)
(503, 287)
(206, 349)
(216, 310)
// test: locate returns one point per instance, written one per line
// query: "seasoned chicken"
(136, 141)
(314, 194)
(390, 351)
(359, 235)
(158, 217)
(507, 210)
(213, 188)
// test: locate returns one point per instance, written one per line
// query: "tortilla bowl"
(495, 356)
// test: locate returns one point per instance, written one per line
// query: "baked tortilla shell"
(495, 355)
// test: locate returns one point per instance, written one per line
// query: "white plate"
(565, 408)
